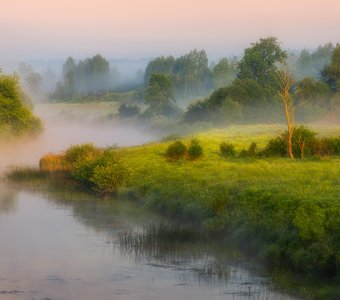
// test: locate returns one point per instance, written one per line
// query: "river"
(62, 244)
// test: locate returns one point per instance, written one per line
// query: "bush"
(195, 150)
(176, 150)
(80, 159)
(251, 152)
(227, 149)
(326, 146)
(109, 173)
(276, 147)
(303, 141)
(80, 154)
(16, 117)
(126, 111)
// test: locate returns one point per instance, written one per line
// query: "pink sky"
(144, 28)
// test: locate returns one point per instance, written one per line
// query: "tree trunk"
(286, 83)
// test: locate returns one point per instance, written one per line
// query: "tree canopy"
(91, 76)
(159, 94)
(16, 117)
(260, 61)
(331, 73)
(189, 73)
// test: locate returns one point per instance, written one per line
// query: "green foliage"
(303, 139)
(16, 117)
(104, 171)
(303, 142)
(176, 150)
(91, 76)
(195, 150)
(159, 94)
(326, 146)
(276, 147)
(309, 220)
(312, 90)
(311, 63)
(81, 153)
(110, 173)
(219, 108)
(260, 61)
(331, 73)
(227, 149)
(285, 212)
(224, 72)
(189, 73)
(127, 111)
(251, 152)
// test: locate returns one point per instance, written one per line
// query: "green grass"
(285, 212)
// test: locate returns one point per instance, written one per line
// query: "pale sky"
(32, 29)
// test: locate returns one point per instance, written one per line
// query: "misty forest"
(223, 173)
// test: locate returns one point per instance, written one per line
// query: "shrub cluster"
(227, 149)
(103, 171)
(127, 111)
(178, 150)
(305, 144)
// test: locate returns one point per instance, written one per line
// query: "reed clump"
(52, 162)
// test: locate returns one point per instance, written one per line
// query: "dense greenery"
(331, 72)
(91, 76)
(159, 95)
(253, 96)
(16, 117)
(102, 170)
(189, 73)
(285, 212)
(309, 63)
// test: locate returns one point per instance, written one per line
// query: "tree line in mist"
(189, 87)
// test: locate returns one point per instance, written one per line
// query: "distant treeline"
(191, 74)
(88, 77)
(231, 90)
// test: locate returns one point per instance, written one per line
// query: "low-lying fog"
(59, 133)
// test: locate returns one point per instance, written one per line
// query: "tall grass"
(286, 212)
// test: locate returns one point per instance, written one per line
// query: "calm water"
(65, 245)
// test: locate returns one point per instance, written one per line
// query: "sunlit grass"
(287, 212)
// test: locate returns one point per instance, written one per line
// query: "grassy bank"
(285, 212)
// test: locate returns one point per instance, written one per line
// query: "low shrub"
(326, 146)
(276, 147)
(52, 163)
(303, 141)
(251, 152)
(227, 149)
(109, 173)
(176, 150)
(127, 111)
(79, 154)
(195, 150)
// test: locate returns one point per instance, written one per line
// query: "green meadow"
(284, 212)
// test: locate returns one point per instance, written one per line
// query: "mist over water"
(59, 133)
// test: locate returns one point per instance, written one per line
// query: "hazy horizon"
(135, 29)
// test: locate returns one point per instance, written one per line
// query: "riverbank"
(284, 212)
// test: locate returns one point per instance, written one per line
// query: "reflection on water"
(65, 245)
(8, 201)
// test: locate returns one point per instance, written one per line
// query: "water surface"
(66, 245)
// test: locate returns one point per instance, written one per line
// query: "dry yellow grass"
(52, 162)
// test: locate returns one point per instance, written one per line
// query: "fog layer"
(60, 133)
